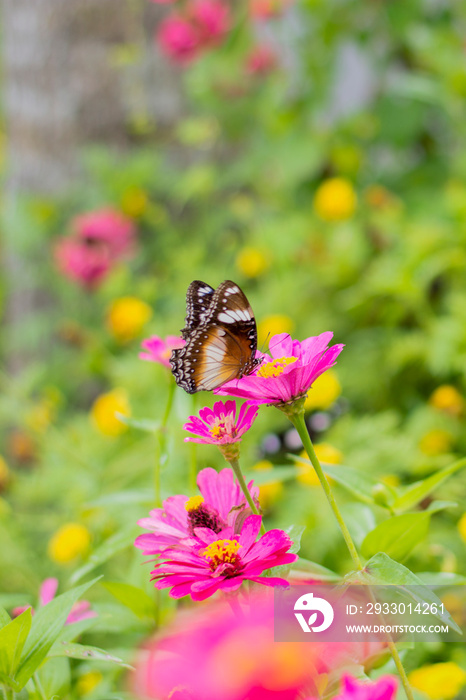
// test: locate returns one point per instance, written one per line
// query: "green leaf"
(415, 493)
(84, 652)
(441, 578)
(4, 617)
(382, 570)
(46, 626)
(304, 569)
(12, 639)
(398, 536)
(120, 540)
(295, 532)
(132, 597)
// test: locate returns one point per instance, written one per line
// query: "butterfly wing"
(223, 347)
(198, 299)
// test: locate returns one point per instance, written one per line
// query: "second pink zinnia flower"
(219, 425)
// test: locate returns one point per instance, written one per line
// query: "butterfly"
(221, 338)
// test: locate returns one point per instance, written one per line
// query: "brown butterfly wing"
(223, 347)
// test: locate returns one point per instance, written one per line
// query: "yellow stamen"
(222, 551)
(276, 367)
(193, 503)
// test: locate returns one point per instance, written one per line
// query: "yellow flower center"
(224, 425)
(275, 367)
(222, 552)
(193, 503)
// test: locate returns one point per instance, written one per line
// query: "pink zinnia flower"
(81, 262)
(80, 610)
(261, 61)
(213, 561)
(222, 504)
(288, 373)
(107, 227)
(382, 689)
(219, 425)
(178, 38)
(212, 20)
(159, 350)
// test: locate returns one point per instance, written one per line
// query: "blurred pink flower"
(80, 610)
(98, 240)
(159, 350)
(213, 654)
(222, 504)
(178, 38)
(266, 9)
(108, 227)
(213, 561)
(288, 373)
(261, 60)
(212, 20)
(382, 689)
(219, 425)
(81, 262)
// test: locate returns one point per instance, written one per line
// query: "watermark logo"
(314, 605)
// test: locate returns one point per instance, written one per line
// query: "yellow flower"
(325, 453)
(440, 681)
(88, 681)
(324, 392)
(127, 317)
(104, 409)
(335, 199)
(252, 262)
(447, 398)
(134, 202)
(462, 527)
(70, 541)
(4, 474)
(436, 442)
(272, 325)
(268, 493)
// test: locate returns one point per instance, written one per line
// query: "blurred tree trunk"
(66, 83)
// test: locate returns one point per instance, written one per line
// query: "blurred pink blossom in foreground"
(80, 610)
(214, 654)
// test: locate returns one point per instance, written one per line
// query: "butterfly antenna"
(264, 343)
(271, 347)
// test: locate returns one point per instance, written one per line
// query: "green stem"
(193, 456)
(234, 463)
(161, 451)
(300, 425)
(8, 693)
(400, 668)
